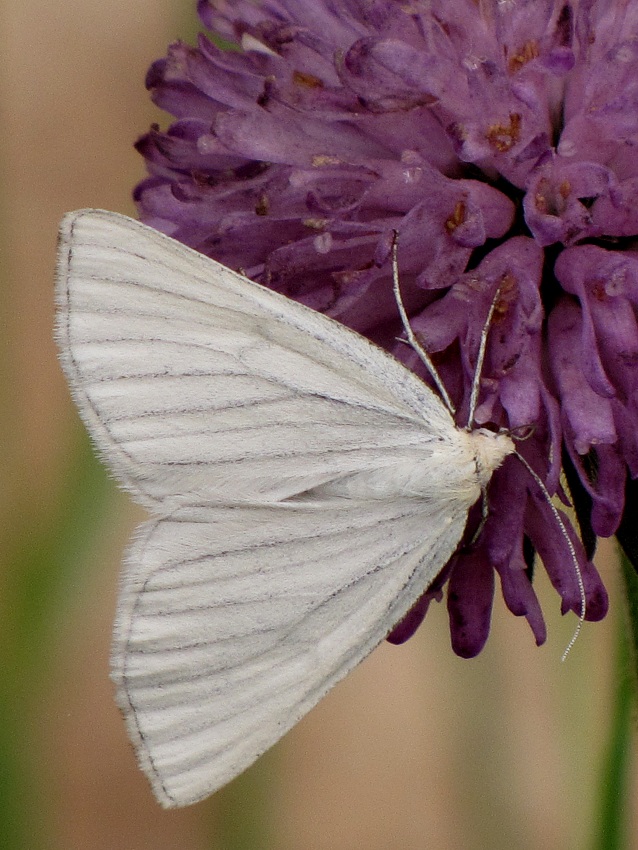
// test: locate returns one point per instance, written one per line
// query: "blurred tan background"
(416, 749)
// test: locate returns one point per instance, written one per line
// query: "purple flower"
(500, 139)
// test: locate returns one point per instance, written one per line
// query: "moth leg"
(485, 510)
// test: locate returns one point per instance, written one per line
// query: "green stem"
(615, 791)
(631, 589)
(242, 809)
(42, 556)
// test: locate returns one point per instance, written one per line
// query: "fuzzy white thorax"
(490, 450)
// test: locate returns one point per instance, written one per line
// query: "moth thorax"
(490, 450)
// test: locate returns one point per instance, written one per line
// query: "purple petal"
(469, 601)
(521, 600)
(606, 284)
(589, 415)
(558, 197)
(606, 488)
(548, 540)
(406, 627)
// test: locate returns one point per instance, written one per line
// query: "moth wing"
(195, 381)
(233, 621)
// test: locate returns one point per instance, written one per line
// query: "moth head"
(490, 450)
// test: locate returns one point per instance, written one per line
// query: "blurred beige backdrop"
(417, 748)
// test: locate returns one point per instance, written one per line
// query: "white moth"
(305, 489)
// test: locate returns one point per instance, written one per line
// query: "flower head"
(498, 137)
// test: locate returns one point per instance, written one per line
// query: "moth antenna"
(476, 380)
(411, 338)
(572, 552)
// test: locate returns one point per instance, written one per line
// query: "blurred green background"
(416, 749)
